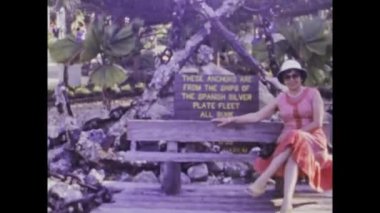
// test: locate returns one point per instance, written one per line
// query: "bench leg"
(279, 187)
(171, 183)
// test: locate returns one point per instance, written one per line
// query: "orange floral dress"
(311, 156)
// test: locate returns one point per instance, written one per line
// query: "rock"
(255, 150)
(125, 177)
(55, 154)
(82, 112)
(215, 167)
(236, 169)
(51, 183)
(80, 174)
(145, 177)
(88, 149)
(61, 166)
(238, 181)
(95, 177)
(215, 148)
(119, 156)
(85, 112)
(108, 142)
(186, 165)
(71, 123)
(184, 178)
(54, 131)
(212, 180)
(163, 108)
(96, 135)
(204, 55)
(73, 136)
(198, 172)
(66, 191)
(145, 165)
(118, 128)
(227, 180)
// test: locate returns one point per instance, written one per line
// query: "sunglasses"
(293, 76)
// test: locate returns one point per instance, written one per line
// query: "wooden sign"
(202, 97)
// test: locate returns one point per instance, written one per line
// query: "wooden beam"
(191, 130)
(185, 157)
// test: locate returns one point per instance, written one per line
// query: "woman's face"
(292, 79)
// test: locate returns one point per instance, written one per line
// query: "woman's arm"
(317, 113)
(265, 112)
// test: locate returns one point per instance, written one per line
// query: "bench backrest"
(198, 131)
(182, 131)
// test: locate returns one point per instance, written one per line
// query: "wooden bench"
(183, 131)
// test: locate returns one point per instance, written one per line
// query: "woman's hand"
(223, 121)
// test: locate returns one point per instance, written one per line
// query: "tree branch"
(220, 29)
(164, 72)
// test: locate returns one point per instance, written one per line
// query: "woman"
(302, 146)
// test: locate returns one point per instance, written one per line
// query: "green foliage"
(97, 89)
(82, 91)
(311, 39)
(65, 50)
(107, 76)
(126, 88)
(111, 40)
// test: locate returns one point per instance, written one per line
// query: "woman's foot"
(286, 208)
(256, 189)
(286, 211)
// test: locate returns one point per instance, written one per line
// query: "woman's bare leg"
(290, 181)
(278, 161)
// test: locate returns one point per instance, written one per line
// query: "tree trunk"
(68, 21)
(106, 99)
(66, 75)
(68, 105)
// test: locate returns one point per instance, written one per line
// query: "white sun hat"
(290, 65)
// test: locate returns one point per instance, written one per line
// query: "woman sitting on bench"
(302, 146)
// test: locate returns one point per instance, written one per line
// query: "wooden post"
(171, 183)
(133, 146)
